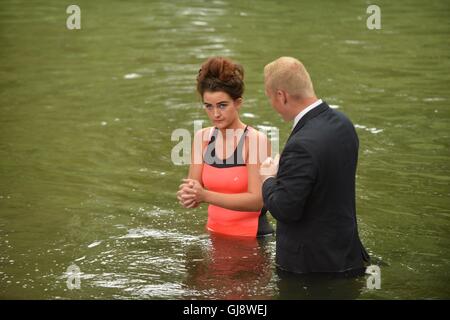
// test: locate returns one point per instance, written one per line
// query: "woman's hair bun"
(221, 74)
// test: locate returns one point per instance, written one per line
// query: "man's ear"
(281, 96)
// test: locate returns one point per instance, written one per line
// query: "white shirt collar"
(305, 111)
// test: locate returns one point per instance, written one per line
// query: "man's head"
(288, 86)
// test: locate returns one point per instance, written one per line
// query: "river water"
(86, 117)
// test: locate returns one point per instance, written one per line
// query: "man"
(312, 192)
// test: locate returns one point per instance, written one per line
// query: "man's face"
(275, 100)
(270, 95)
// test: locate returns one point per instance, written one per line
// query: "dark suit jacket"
(313, 196)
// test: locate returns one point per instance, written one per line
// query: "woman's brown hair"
(221, 74)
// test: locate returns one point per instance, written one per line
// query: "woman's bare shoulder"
(257, 146)
(203, 133)
(256, 134)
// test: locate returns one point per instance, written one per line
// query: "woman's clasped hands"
(191, 193)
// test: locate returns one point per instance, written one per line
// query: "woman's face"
(221, 109)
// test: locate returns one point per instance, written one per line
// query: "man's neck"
(302, 104)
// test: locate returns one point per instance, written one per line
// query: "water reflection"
(86, 120)
(319, 286)
(230, 268)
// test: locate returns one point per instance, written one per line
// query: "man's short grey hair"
(290, 75)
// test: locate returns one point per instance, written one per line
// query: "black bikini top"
(235, 160)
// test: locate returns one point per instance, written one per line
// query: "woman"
(230, 152)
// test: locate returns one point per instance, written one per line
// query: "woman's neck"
(237, 124)
(235, 135)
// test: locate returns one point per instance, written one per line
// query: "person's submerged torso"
(228, 176)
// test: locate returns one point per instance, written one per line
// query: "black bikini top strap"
(237, 157)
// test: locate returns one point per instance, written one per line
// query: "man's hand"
(269, 168)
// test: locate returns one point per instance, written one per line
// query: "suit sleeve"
(285, 195)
